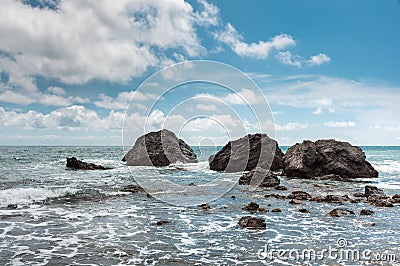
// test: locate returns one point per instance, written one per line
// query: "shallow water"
(81, 218)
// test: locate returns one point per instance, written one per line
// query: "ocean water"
(50, 215)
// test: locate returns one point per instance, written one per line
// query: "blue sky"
(328, 69)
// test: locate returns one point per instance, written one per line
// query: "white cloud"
(123, 98)
(291, 126)
(340, 124)
(56, 90)
(259, 50)
(27, 98)
(287, 59)
(243, 96)
(90, 39)
(207, 107)
(318, 59)
(318, 111)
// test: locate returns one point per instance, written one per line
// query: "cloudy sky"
(328, 69)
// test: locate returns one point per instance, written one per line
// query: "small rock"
(205, 206)
(149, 196)
(328, 177)
(374, 191)
(294, 202)
(12, 206)
(76, 164)
(355, 200)
(252, 222)
(276, 210)
(373, 224)
(192, 184)
(281, 188)
(381, 203)
(339, 212)
(264, 177)
(331, 199)
(251, 207)
(359, 195)
(233, 197)
(162, 222)
(299, 195)
(262, 210)
(275, 196)
(132, 189)
(366, 212)
(304, 211)
(396, 198)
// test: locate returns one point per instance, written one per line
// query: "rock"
(374, 191)
(304, 211)
(79, 165)
(12, 206)
(327, 157)
(233, 197)
(246, 153)
(149, 196)
(357, 200)
(276, 210)
(396, 198)
(328, 177)
(281, 188)
(331, 199)
(159, 148)
(205, 206)
(275, 196)
(162, 222)
(299, 195)
(373, 224)
(339, 212)
(251, 207)
(380, 202)
(259, 176)
(262, 210)
(359, 195)
(292, 201)
(132, 189)
(252, 222)
(366, 212)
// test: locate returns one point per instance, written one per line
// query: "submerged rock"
(327, 157)
(331, 199)
(339, 212)
(247, 153)
(281, 188)
(251, 207)
(304, 210)
(259, 175)
(299, 195)
(205, 206)
(276, 210)
(133, 189)
(252, 222)
(80, 165)
(162, 222)
(366, 212)
(372, 191)
(159, 148)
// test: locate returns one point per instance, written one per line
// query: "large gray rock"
(159, 148)
(325, 157)
(246, 153)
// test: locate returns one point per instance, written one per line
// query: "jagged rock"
(259, 176)
(333, 177)
(133, 189)
(282, 188)
(275, 196)
(359, 195)
(366, 212)
(80, 165)
(205, 206)
(247, 153)
(331, 199)
(396, 198)
(374, 192)
(252, 222)
(159, 148)
(326, 157)
(292, 201)
(380, 202)
(299, 195)
(251, 207)
(276, 210)
(339, 212)
(304, 211)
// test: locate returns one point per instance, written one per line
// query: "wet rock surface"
(251, 222)
(259, 176)
(76, 164)
(340, 212)
(159, 148)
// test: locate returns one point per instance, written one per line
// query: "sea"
(51, 215)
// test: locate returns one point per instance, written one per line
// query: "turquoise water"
(53, 216)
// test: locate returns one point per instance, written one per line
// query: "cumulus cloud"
(318, 59)
(340, 124)
(291, 126)
(260, 50)
(77, 41)
(123, 98)
(287, 59)
(243, 96)
(21, 98)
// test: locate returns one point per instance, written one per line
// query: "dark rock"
(262, 210)
(339, 212)
(331, 199)
(233, 197)
(276, 210)
(259, 176)
(292, 201)
(299, 195)
(251, 207)
(133, 189)
(333, 177)
(380, 202)
(159, 148)
(374, 191)
(79, 165)
(252, 222)
(304, 211)
(281, 188)
(326, 157)
(162, 222)
(205, 206)
(275, 196)
(149, 196)
(247, 153)
(359, 195)
(357, 200)
(12, 206)
(366, 212)
(373, 224)
(396, 198)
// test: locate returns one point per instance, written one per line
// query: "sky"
(322, 69)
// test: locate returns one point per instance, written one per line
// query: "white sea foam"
(26, 196)
(388, 166)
